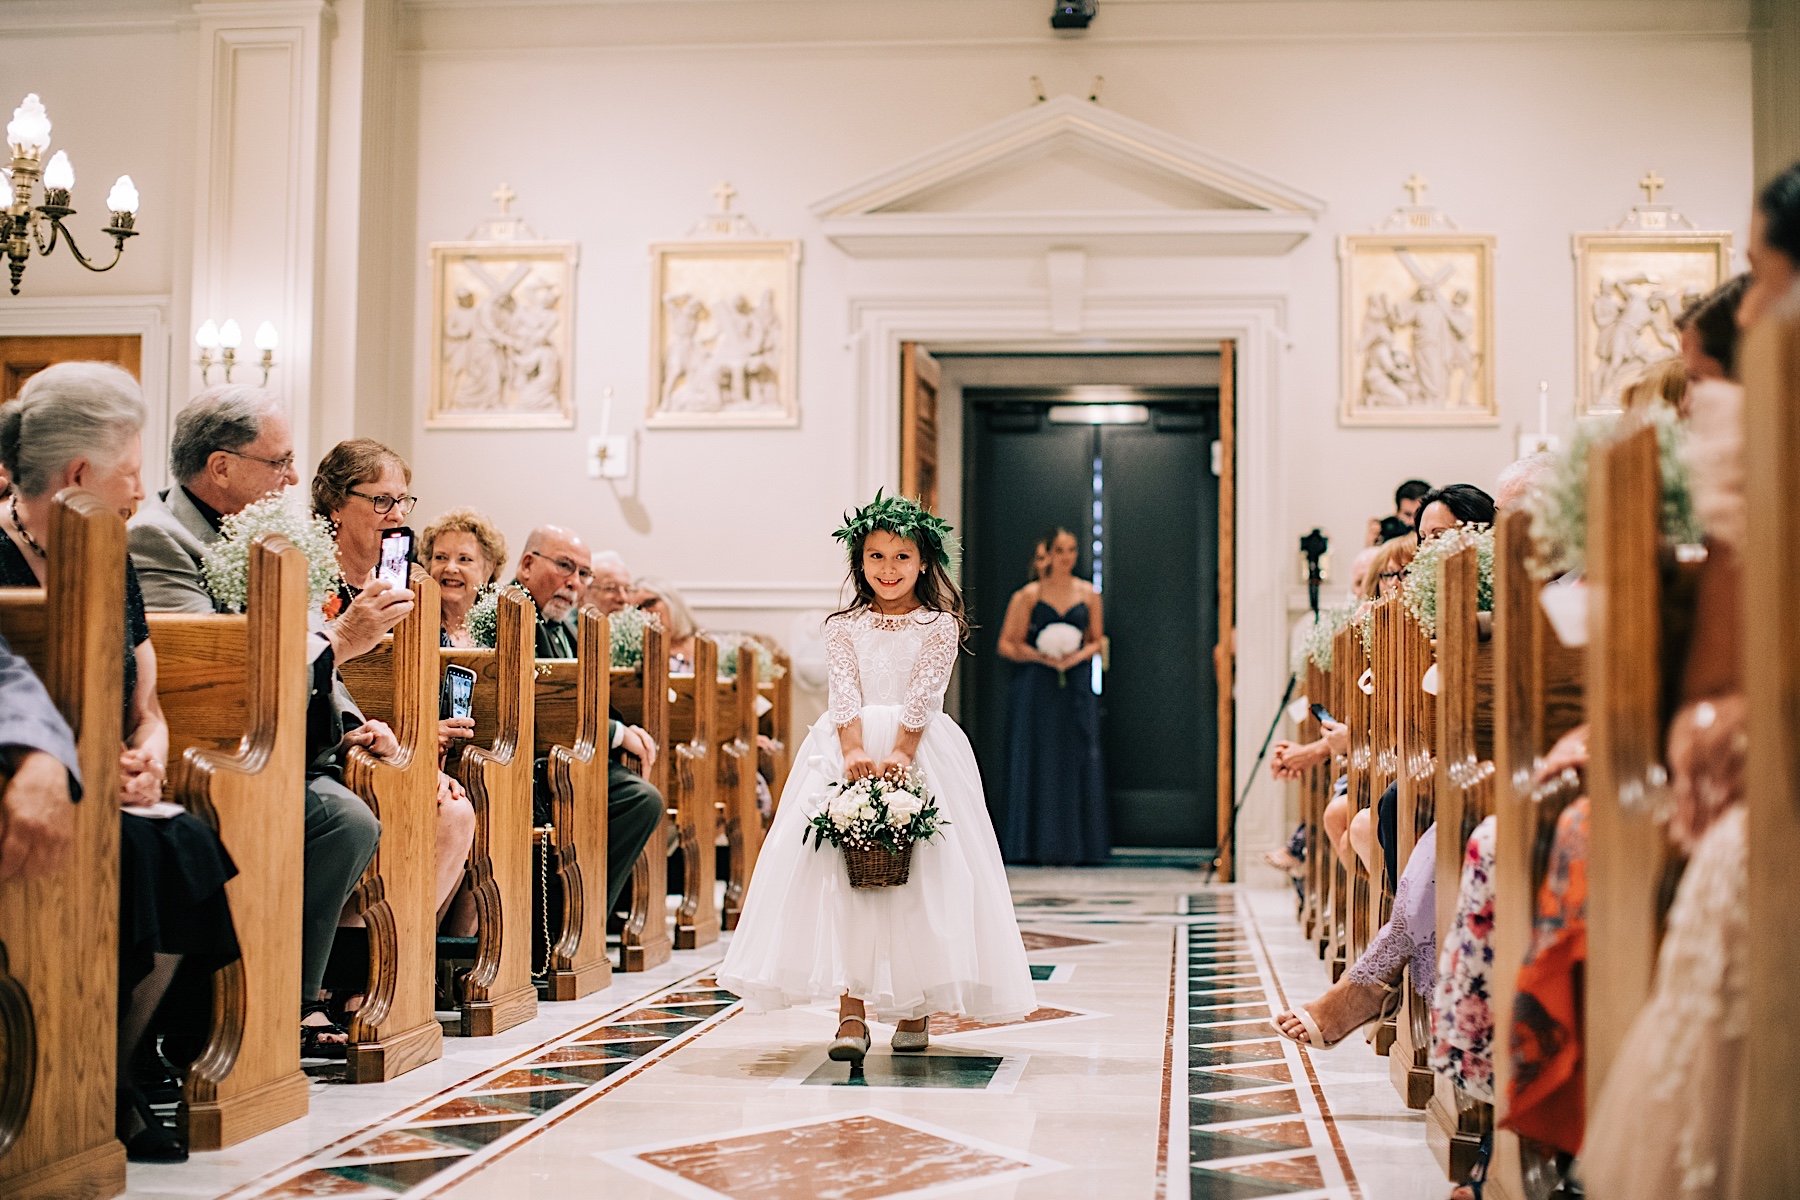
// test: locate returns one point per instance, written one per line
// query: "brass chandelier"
(23, 224)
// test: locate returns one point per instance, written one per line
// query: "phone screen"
(1318, 711)
(396, 556)
(459, 692)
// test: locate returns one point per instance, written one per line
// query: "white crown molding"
(785, 596)
(1276, 217)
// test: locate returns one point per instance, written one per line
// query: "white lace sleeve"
(931, 673)
(846, 677)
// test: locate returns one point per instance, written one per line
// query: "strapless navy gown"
(1056, 786)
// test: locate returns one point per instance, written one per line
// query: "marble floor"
(1148, 1070)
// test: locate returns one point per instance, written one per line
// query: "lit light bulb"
(60, 173)
(207, 338)
(123, 197)
(230, 336)
(265, 337)
(29, 129)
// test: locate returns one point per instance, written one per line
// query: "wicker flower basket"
(877, 866)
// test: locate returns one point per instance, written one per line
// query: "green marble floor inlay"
(965, 1071)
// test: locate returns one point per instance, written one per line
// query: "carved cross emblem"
(1416, 185)
(1651, 183)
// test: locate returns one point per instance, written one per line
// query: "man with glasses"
(556, 567)
(610, 592)
(233, 446)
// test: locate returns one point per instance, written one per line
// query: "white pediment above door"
(1068, 174)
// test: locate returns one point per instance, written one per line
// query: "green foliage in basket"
(1419, 587)
(226, 563)
(628, 627)
(874, 812)
(1559, 508)
(1315, 646)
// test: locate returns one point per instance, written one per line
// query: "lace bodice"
(904, 661)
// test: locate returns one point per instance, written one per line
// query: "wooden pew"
(1465, 788)
(778, 723)
(396, 1029)
(642, 698)
(59, 936)
(496, 771)
(1625, 773)
(1337, 907)
(1384, 742)
(693, 804)
(1348, 659)
(1769, 1153)
(1315, 793)
(234, 690)
(571, 729)
(736, 725)
(1539, 699)
(1409, 1066)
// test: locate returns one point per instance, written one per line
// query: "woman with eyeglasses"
(361, 487)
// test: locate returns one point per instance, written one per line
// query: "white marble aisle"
(662, 1086)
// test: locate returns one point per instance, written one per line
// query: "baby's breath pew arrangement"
(226, 563)
(1315, 646)
(628, 627)
(1559, 509)
(1419, 589)
(484, 615)
(733, 644)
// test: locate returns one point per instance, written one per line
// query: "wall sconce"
(24, 224)
(219, 347)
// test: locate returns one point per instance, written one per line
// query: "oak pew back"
(1337, 908)
(573, 699)
(396, 1029)
(496, 770)
(738, 762)
(1384, 743)
(1409, 1066)
(1539, 700)
(1349, 657)
(641, 697)
(1455, 1124)
(234, 691)
(694, 775)
(1315, 793)
(1768, 1152)
(777, 724)
(58, 1010)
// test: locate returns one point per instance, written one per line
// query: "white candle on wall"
(1543, 408)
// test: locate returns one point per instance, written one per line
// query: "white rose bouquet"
(875, 822)
(1058, 640)
(226, 563)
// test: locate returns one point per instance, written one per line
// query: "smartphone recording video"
(1318, 711)
(396, 557)
(459, 693)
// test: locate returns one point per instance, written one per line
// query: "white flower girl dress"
(944, 942)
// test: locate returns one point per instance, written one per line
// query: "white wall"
(614, 120)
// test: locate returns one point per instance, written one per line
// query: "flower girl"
(945, 941)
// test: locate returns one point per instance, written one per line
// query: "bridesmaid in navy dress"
(1056, 788)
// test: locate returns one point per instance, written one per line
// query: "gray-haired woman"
(81, 425)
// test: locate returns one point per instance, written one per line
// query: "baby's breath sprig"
(226, 563)
(1419, 588)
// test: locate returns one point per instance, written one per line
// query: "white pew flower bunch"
(226, 563)
(733, 644)
(1419, 588)
(1559, 509)
(628, 627)
(484, 615)
(876, 822)
(1315, 644)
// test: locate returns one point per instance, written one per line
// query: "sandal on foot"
(912, 1041)
(848, 1047)
(1314, 1038)
(321, 1037)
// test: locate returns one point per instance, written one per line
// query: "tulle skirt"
(944, 942)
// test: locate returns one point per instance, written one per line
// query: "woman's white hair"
(68, 411)
(683, 617)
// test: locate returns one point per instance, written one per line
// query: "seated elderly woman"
(362, 488)
(80, 425)
(463, 552)
(660, 599)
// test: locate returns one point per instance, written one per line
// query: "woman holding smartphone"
(362, 488)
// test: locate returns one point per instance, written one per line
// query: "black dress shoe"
(153, 1142)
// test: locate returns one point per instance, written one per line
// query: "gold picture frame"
(1629, 288)
(1417, 329)
(502, 344)
(724, 334)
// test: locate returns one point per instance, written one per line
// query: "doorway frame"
(1016, 322)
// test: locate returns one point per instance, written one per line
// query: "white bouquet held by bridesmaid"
(876, 818)
(1057, 641)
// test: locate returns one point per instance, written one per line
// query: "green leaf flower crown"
(934, 536)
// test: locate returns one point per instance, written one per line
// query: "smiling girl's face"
(891, 565)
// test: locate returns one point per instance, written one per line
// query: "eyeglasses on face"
(284, 464)
(386, 504)
(611, 587)
(567, 566)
